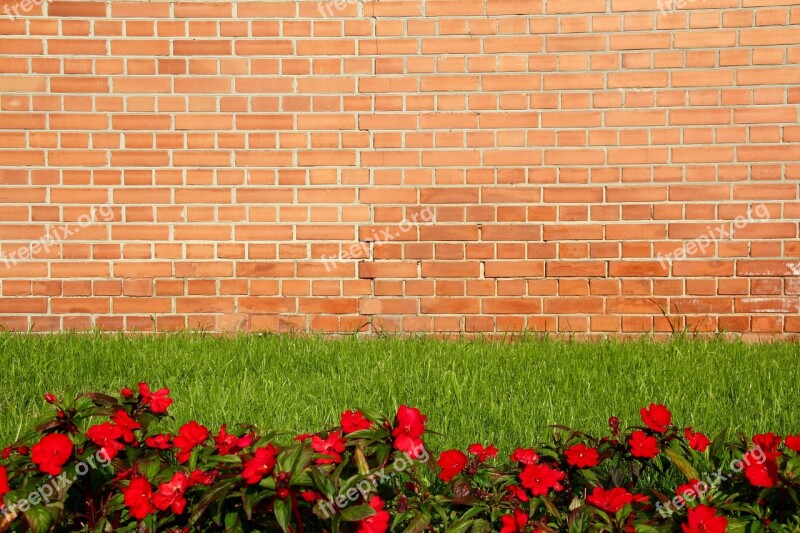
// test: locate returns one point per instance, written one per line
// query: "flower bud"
(126, 392)
(49, 398)
(402, 504)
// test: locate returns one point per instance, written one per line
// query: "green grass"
(506, 393)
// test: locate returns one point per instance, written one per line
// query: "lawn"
(506, 393)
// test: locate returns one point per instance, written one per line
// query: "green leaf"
(354, 513)
(373, 415)
(349, 484)
(481, 526)
(224, 459)
(268, 483)
(472, 512)
(283, 512)
(551, 508)
(418, 524)
(297, 460)
(683, 465)
(382, 452)
(215, 493)
(302, 461)
(737, 525)
(323, 483)
(150, 468)
(361, 462)
(39, 518)
(644, 528)
(231, 519)
(249, 502)
(718, 443)
(460, 526)
(579, 520)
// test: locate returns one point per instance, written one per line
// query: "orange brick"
(565, 155)
(76, 9)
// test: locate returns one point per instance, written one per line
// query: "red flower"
(525, 456)
(171, 495)
(763, 474)
(704, 519)
(452, 462)
(483, 453)
(228, 444)
(768, 443)
(126, 424)
(353, 421)
(105, 435)
(657, 417)
(539, 479)
(408, 429)
(330, 448)
(52, 452)
(158, 401)
(642, 445)
(159, 442)
(260, 465)
(514, 523)
(311, 496)
(189, 436)
(126, 392)
(303, 437)
(793, 442)
(688, 490)
(518, 492)
(49, 398)
(697, 441)
(611, 500)
(582, 456)
(4, 488)
(198, 477)
(137, 498)
(377, 523)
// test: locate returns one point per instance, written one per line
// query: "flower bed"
(101, 463)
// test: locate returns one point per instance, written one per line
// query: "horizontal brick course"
(574, 166)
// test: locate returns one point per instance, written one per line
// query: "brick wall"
(440, 165)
